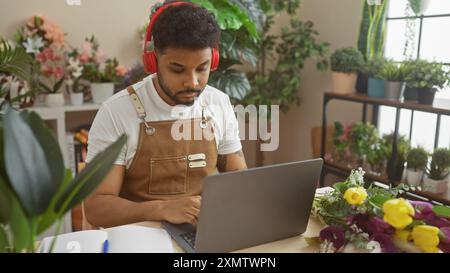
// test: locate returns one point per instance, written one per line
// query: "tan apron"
(165, 168)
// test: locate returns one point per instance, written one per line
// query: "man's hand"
(183, 210)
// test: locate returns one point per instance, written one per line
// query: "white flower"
(327, 247)
(373, 247)
(33, 45)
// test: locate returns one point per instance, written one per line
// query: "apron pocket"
(168, 175)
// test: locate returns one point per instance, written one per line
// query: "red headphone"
(149, 57)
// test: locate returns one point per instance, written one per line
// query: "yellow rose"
(355, 196)
(398, 213)
(426, 238)
(403, 235)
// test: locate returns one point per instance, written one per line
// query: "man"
(158, 176)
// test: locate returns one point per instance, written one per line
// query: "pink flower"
(86, 48)
(53, 33)
(121, 70)
(47, 70)
(100, 56)
(83, 58)
(58, 72)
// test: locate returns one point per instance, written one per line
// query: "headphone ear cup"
(150, 62)
(214, 59)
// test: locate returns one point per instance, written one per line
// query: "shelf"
(345, 171)
(440, 106)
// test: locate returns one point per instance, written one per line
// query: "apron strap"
(139, 107)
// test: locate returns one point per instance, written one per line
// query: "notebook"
(122, 239)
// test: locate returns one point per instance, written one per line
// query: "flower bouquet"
(375, 219)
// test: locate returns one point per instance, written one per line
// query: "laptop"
(251, 207)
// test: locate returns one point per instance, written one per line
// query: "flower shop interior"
(362, 84)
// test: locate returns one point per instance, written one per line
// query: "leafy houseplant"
(371, 40)
(36, 190)
(416, 163)
(427, 78)
(376, 83)
(438, 172)
(345, 63)
(363, 138)
(396, 165)
(394, 75)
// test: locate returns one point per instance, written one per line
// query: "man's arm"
(231, 162)
(104, 208)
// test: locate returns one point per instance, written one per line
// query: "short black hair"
(187, 26)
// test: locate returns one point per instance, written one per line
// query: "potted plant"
(427, 78)
(395, 166)
(394, 75)
(36, 190)
(74, 72)
(376, 84)
(376, 159)
(101, 71)
(416, 163)
(345, 63)
(436, 180)
(371, 39)
(363, 137)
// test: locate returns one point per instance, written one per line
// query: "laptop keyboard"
(189, 237)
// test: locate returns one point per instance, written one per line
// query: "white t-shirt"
(118, 116)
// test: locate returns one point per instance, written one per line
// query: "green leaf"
(58, 85)
(26, 165)
(90, 177)
(442, 211)
(5, 201)
(341, 187)
(379, 199)
(3, 240)
(232, 82)
(49, 144)
(14, 60)
(46, 219)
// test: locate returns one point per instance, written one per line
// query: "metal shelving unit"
(440, 108)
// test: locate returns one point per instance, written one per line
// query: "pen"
(105, 246)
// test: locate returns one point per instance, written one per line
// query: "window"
(425, 37)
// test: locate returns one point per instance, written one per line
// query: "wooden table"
(295, 244)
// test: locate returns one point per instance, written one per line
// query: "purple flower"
(444, 235)
(422, 209)
(385, 241)
(444, 247)
(433, 220)
(371, 224)
(335, 235)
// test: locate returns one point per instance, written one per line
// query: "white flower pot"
(344, 83)
(435, 186)
(101, 91)
(54, 100)
(76, 98)
(414, 178)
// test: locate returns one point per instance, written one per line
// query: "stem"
(58, 229)
(33, 225)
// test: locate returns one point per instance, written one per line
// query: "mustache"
(189, 91)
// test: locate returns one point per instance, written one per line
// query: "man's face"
(183, 74)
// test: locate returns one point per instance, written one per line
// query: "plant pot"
(394, 90)
(101, 91)
(411, 94)
(344, 83)
(399, 167)
(435, 186)
(76, 98)
(426, 95)
(54, 100)
(376, 88)
(414, 178)
(361, 83)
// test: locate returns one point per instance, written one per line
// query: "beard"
(182, 97)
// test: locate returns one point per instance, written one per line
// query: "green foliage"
(416, 6)
(417, 159)
(426, 74)
(346, 60)
(14, 60)
(373, 68)
(440, 164)
(403, 146)
(35, 188)
(394, 72)
(372, 30)
(363, 137)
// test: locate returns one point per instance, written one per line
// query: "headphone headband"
(148, 35)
